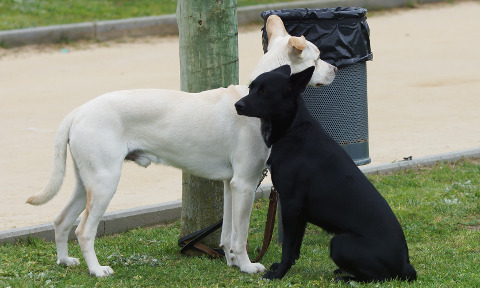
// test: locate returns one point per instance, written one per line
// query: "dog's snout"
(335, 69)
(240, 105)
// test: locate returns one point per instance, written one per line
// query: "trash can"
(342, 36)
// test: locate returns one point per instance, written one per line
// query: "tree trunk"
(208, 37)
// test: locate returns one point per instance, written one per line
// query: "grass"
(439, 209)
(16, 14)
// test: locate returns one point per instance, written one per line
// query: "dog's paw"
(101, 271)
(69, 261)
(274, 267)
(253, 268)
(271, 275)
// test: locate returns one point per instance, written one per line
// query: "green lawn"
(15, 14)
(439, 209)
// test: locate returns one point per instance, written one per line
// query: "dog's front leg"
(299, 239)
(243, 196)
(293, 230)
(225, 240)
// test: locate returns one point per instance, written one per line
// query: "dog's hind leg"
(64, 221)
(365, 259)
(100, 191)
(225, 240)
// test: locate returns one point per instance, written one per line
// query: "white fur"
(281, 52)
(200, 133)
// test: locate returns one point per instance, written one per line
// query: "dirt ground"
(423, 93)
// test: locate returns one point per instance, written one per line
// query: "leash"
(269, 225)
(191, 241)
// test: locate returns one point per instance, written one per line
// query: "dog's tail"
(59, 162)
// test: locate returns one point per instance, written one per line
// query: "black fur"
(319, 183)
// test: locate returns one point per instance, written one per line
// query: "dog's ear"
(297, 44)
(299, 81)
(284, 69)
(275, 28)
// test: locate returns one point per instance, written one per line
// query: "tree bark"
(208, 38)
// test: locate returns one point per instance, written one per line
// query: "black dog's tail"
(409, 273)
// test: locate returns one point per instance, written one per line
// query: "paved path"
(423, 88)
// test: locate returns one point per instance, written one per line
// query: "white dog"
(200, 133)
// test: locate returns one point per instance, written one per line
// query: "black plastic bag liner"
(342, 34)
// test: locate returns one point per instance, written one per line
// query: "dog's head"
(297, 52)
(273, 95)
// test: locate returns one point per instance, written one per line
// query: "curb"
(167, 24)
(421, 161)
(111, 223)
(124, 220)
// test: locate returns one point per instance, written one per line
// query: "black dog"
(319, 183)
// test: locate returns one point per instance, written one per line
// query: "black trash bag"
(342, 34)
